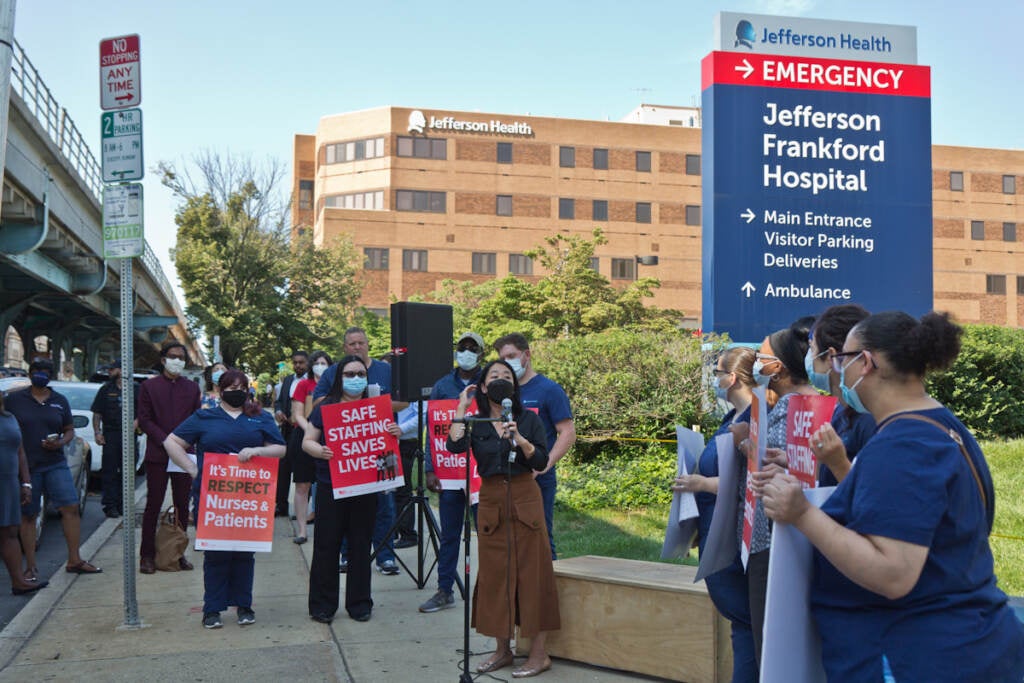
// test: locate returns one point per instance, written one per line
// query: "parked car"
(79, 452)
(80, 396)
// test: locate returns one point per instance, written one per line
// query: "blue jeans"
(548, 483)
(59, 486)
(227, 578)
(452, 505)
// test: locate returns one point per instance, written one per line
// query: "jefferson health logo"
(745, 34)
(417, 121)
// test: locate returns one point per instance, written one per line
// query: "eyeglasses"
(766, 358)
(357, 373)
(716, 371)
(837, 359)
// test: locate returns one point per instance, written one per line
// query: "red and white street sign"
(120, 78)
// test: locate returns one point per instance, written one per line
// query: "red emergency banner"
(449, 467)
(806, 415)
(365, 454)
(236, 503)
(758, 438)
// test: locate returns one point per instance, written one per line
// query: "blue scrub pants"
(227, 578)
(728, 592)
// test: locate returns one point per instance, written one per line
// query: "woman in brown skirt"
(515, 584)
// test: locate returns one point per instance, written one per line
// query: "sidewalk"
(70, 630)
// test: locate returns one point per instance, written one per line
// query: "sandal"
(494, 663)
(83, 567)
(31, 575)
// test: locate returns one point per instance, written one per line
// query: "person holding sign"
(903, 583)
(515, 585)
(733, 382)
(238, 426)
(350, 517)
(779, 366)
(837, 442)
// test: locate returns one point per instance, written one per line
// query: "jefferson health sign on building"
(817, 189)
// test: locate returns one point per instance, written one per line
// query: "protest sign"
(682, 514)
(450, 468)
(365, 456)
(721, 546)
(236, 503)
(792, 645)
(806, 415)
(758, 438)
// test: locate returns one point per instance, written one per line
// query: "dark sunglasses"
(357, 373)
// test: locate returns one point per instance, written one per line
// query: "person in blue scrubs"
(904, 584)
(733, 382)
(837, 442)
(237, 426)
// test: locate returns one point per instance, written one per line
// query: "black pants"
(110, 473)
(352, 519)
(407, 522)
(284, 475)
(757, 583)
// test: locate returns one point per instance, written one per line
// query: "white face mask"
(517, 367)
(467, 359)
(174, 365)
(318, 368)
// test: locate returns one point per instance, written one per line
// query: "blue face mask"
(819, 380)
(354, 386)
(216, 375)
(40, 379)
(720, 391)
(849, 394)
(517, 366)
(762, 380)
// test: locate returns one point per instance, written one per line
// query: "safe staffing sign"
(816, 189)
(120, 77)
(366, 456)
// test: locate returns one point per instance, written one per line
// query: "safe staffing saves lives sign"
(365, 453)
(236, 503)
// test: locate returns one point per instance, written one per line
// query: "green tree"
(243, 278)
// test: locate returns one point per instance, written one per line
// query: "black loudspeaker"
(422, 338)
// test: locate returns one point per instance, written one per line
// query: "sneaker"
(406, 542)
(388, 568)
(342, 565)
(212, 620)
(439, 601)
(246, 616)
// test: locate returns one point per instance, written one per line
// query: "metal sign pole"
(131, 606)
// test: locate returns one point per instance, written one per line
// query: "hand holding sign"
(829, 449)
(784, 499)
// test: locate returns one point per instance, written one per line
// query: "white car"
(80, 396)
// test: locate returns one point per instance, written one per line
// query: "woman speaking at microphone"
(516, 582)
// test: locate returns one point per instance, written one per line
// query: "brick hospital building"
(429, 195)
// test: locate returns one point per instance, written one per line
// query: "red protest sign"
(806, 415)
(449, 467)
(236, 503)
(758, 438)
(365, 454)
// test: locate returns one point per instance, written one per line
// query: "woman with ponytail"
(904, 587)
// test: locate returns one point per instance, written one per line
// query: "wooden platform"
(644, 617)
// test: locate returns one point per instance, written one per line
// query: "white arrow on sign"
(748, 288)
(749, 215)
(746, 69)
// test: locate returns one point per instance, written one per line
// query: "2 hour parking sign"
(816, 189)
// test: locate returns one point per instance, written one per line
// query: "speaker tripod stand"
(427, 526)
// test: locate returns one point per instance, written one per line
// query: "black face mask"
(235, 397)
(500, 389)
(40, 379)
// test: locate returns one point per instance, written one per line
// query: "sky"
(243, 77)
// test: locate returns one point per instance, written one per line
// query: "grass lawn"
(638, 534)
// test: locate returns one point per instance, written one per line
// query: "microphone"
(506, 416)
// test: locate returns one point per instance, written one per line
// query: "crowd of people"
(903, 585)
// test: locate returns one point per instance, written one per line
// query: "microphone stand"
(465, 677)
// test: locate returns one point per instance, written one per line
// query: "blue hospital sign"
(816, 189)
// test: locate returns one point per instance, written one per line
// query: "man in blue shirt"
(546, 398)
(44, 417)
(469, 351)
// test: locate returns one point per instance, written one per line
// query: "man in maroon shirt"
(165, 401)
